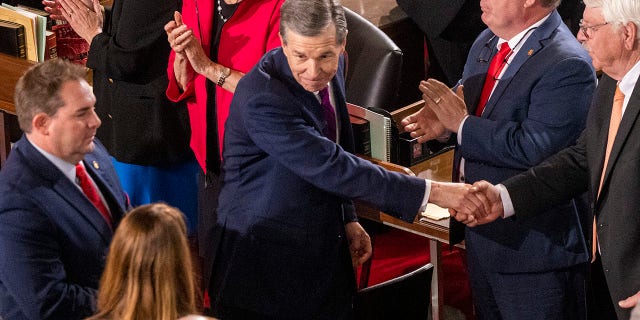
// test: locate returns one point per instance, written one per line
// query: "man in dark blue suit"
(53, 239)
(512, 114)
(288, 236)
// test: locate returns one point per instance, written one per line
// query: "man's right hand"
(464, 205)
(489, 196)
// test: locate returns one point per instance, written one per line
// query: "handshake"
(472, 205)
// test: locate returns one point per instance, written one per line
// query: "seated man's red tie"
(91, 193)
(495, 67)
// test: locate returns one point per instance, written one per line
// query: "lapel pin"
(530, 52)
(95, 164)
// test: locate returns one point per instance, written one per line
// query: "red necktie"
(495, 67)
(91, 192)
(328, 113)
(614, 123)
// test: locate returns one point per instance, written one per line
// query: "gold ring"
(437, 100)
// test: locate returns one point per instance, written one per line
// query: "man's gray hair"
(310, 17)
(618, 12)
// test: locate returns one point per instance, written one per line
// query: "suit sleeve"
(139, 47)
(556, 180)
(556, 111)
(280, 130)
(32, 269)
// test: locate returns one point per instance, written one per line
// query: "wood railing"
(11, 69)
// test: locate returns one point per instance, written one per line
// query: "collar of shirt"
(517, 41)
(68, 169)
(330, 90)
(628, 83)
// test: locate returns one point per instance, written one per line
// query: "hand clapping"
(442, 114)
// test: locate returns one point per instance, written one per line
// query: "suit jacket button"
(110, 80)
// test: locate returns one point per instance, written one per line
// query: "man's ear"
(344, 42)
(40, 123)
(630, 31)
(283, 42)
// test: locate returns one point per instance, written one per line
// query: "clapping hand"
(442, 113)
(448, 106)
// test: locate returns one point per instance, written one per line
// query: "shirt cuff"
(507, 205)
(460, 129)
(427, 192)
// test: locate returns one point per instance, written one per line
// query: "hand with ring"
(448, 106)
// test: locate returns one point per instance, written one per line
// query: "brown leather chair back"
(374, 64)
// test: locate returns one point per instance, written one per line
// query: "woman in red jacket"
(215, 42)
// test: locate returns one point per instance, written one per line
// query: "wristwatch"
(223, 75)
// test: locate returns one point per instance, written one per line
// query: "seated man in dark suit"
(61, 199)
(289, 236)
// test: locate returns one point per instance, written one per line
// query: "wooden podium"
(438, 168)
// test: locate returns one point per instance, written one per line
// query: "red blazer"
(245, 37)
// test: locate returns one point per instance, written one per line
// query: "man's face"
(71, 130)
(604, 44)
(503, 17)
(313, 60)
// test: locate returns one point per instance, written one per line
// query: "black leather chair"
(406, 297)
(374, 64)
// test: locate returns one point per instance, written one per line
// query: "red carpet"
(396, 252)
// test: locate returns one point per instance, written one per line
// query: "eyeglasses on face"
(587, 31)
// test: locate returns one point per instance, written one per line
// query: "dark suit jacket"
(53, 240)
(129, 61)
(538, 108)
(450, 27)
(577, 169)
(286, 198)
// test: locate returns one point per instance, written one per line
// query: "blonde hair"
(148, 273)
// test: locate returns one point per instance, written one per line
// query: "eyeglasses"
(585, 29)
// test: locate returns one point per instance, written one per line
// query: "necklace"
(220, 10)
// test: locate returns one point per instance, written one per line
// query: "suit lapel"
(65, 188)
(96, 169)
(628, 120)
(606, 89)
(74, 196)
(529, 49)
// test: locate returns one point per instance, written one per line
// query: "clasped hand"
(475, 204)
